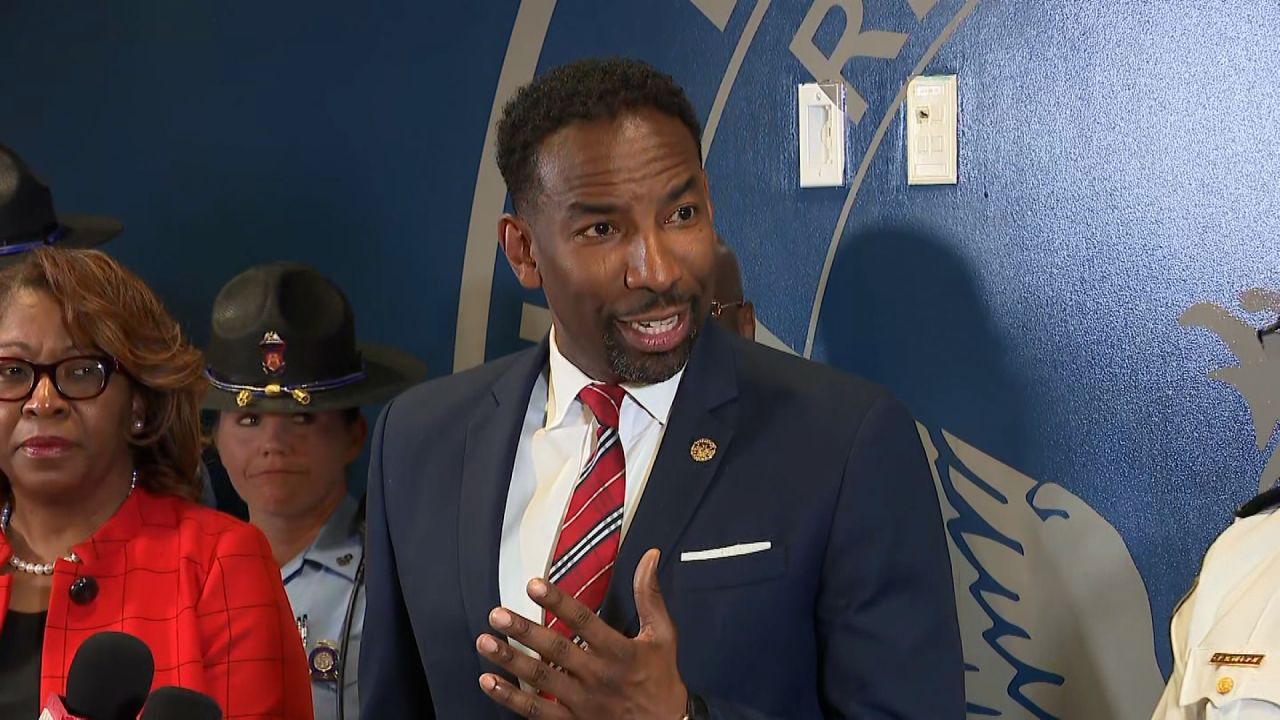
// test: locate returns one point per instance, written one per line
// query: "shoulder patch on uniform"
(1263, 501)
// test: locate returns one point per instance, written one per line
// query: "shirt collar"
(565, 381)
(339, 545)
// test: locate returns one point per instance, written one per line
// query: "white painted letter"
(853, 43)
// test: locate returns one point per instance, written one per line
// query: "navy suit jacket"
(849, 614)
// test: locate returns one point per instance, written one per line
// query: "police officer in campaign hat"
(287, 380)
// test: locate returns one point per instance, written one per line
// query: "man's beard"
(643, 368)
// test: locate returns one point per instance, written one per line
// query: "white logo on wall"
(1054, 616)
(1257, 375)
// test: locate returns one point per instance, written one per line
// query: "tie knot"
(605, 401)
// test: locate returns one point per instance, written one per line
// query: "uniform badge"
(272, 347)
(702, 449)
(345, 560)
(1236, 659)
(324, 661)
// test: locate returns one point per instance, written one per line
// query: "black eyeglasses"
(718, 308)
(75, 378)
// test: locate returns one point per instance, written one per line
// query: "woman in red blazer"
(99, 445)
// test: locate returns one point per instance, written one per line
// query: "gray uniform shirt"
(320, 583)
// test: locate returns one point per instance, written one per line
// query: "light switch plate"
(932, 152)
(820, 108)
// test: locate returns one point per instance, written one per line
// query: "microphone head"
(109, 677)
(176, 703)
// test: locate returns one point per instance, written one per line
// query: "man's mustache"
(653, 301)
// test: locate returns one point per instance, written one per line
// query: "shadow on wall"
(903, 309)
(1044, 635)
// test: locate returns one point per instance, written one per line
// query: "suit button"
(84, 590)
(1225, 684)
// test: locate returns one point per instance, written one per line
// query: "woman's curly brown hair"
(109, 308)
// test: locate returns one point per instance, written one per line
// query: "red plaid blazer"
(201, 589)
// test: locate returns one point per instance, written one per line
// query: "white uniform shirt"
(1226, 634)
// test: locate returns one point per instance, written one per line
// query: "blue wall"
(1114, 163)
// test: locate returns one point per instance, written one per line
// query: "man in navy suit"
(645, 516)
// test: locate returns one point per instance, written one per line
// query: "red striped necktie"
(587, 545)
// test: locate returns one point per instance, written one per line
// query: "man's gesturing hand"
(608, 676)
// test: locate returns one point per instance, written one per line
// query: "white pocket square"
(725, 552)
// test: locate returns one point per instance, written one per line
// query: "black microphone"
(177, 703)
(108, 680)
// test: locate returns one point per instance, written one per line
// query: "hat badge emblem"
(272, 347)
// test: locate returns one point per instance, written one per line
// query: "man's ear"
(516, 240)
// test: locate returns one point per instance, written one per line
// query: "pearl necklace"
(21, 565)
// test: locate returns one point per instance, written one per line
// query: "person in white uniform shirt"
(287, 380)
(1226, 632)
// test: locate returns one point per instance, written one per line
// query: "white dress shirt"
(557, 437)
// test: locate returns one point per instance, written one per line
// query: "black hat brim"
(79, 232)
(388, 372)
(87, 231)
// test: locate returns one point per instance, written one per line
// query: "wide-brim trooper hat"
(28, 220)
(283, 340)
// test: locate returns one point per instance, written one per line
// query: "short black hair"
(585, 90)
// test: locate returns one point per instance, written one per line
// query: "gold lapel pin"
(702, 449)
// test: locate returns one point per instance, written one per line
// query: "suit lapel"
(703, 410)
(493, 434)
